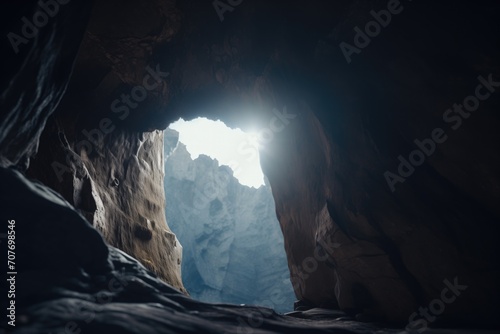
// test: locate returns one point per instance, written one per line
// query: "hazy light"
(231, 147)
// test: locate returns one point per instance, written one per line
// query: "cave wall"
(33, 78)
(105, 156)
(392, 247)
(388, 252)
(392, 250)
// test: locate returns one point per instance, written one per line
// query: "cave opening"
(237, 149)
(220, 206)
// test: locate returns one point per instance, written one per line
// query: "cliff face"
(233, 246)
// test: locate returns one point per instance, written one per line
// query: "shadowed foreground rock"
(70, 281)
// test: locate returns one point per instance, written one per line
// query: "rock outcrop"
(99, 153)
(233, 245)
(70, 281)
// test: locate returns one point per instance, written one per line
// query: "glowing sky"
(231, 147)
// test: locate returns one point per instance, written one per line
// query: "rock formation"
(70, 281)
(233, 246)
(99, 154)
(381, 150)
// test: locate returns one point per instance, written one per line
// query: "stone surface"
(102, 159)
(34, 77)
(233, 246)
(118, 187)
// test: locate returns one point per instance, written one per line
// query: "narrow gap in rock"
(221, 208)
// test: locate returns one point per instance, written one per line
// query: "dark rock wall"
(101, 151)
(33, 77)
(392, 251)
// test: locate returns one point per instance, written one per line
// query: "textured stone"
(34, 79)
(70, 280)
(103, 159)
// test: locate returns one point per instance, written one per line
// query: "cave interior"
(380, 127)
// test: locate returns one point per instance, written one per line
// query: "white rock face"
(233, 245)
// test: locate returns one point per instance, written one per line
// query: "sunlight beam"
(231, 147)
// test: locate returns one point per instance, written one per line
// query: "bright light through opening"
(231, 147)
